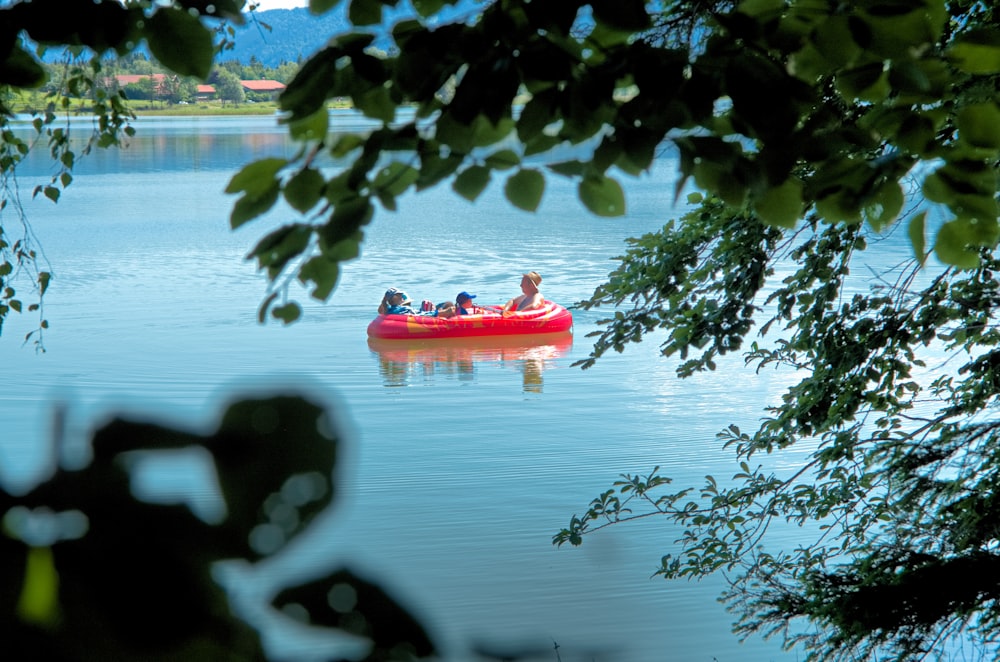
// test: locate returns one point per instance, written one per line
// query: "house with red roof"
(134, 79)
(271, 86)
(204, 92)
(262, 89)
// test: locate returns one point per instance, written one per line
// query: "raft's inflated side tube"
(551, 318)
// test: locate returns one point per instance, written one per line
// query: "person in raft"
(397, 302)
(464, 305)
(532, 298)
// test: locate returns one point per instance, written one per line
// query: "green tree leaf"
(624, 15)
(345, 249)
(761, 9)
(365, 12)
(428, 7)
(781, 205)
(916, 133)
(317, 79)
(838, 207)
(896, 31)
(434, 168)
(957, 244)
(395, 178)
(275, 250)
(375, 102)
(52, 193)
(977, 52)
(181, 42)
(322, 6)
(471, 182)
(313, 127)
(834, 41)
(348, 217)
(885, 206)
(19, 69)
(869, 82)
(569, 168)
(979, 125)
(304, 189)
(603, 196)
(250, 207)
(287, 313)
(323, 273)
(503, 159)
(485, 132)
(258, 178)
(39, 600)
(524, 189)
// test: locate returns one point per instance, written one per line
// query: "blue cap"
(464, 295)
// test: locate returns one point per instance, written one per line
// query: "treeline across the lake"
(149, 85)
(266, 46)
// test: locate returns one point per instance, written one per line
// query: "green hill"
(277, 36)
(288, 35)
(284, 35)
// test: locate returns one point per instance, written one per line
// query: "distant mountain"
(294, 35)
(290, 35)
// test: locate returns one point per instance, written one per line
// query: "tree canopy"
(781, 108)
(809, 126)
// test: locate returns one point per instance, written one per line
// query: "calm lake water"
(461, 462)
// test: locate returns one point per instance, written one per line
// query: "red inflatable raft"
(551, 318)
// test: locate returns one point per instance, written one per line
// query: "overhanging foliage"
(782, 108)
(90, 571)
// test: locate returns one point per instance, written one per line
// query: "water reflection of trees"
(402, 361)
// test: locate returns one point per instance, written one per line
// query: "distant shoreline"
(200, 109)
(214, 108)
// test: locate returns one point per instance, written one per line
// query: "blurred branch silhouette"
(88, 571)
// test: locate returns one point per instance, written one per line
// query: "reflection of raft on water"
(552, 318)
(529, 353)
(483, 348)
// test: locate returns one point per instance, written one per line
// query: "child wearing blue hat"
(464, 305)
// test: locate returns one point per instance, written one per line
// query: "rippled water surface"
(462, 460)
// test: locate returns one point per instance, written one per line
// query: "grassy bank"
(205, 108)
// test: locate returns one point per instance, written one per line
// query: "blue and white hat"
(393, 291)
